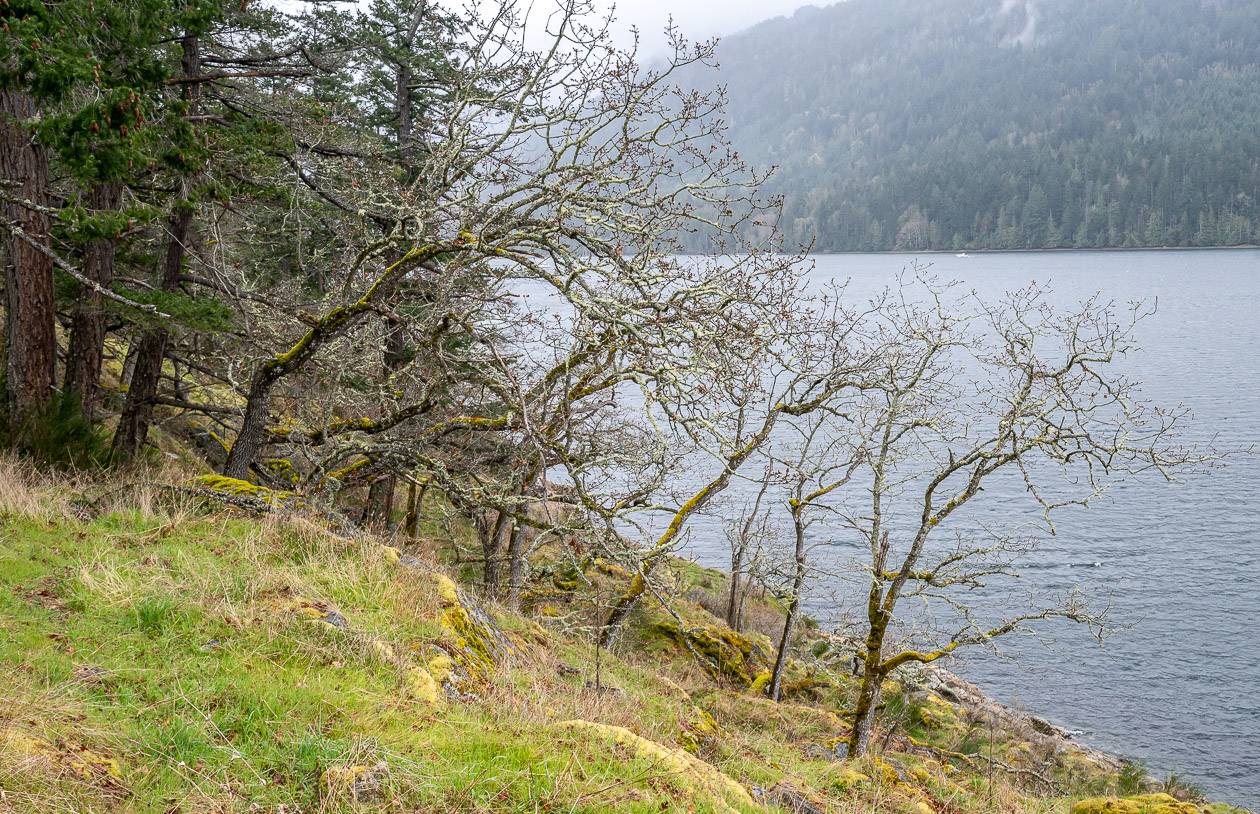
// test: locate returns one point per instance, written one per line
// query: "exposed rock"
(64, 758)
(474, 644)
(90, 675)
(722, 652)
(1140, 804)
(792, 800)
(319, 611)
(959, 691)
(699, 732)
(359, 783)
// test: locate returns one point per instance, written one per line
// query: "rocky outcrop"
(959, 691)
(1140, 804)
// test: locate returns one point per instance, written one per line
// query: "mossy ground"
(174, 658)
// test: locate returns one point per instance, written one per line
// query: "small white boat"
(962, 254)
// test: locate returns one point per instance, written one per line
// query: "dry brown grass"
(28, 490)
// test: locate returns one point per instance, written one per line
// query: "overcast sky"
(698, 19)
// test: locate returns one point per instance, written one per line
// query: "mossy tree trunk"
(252, 435)
(874, 668)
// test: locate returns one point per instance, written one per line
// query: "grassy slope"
(166, 658)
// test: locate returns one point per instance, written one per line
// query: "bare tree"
(968, 394)
(746, 536)
(569, 174)
(827, 456)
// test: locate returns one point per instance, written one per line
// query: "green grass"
(156, 644)
(159, 659)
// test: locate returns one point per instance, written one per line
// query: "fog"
(696, 19)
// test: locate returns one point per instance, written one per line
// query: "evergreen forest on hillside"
(1005, 124)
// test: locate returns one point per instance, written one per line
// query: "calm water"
(1180, 688)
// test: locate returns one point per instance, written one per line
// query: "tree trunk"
(775, 690)
(865, 710)
(31, 311)
(732, 599)
(798, 585)
(873, 675)
(492, 552)
(133, 424)
(378, 513)
(87, 327)
(415, 504)
(625, 604)
(516, 564)
(249, 440)
(379, 509)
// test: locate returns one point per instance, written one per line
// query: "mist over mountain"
(904, 124)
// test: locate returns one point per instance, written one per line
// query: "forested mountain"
(904, 124)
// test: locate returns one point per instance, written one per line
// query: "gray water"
(1179, 689)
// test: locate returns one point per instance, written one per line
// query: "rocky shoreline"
(957, 690)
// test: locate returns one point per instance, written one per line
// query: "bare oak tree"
(969, 394)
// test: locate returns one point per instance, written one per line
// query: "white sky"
(697, 19)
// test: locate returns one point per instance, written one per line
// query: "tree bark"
(492, 552)
(378, 512)
(31, 311)
(133, 424)
(379, 508)
(864, 713)
(873, 674)
(732, 598)
(775, 690)
(516, 564)
(87, 327)
(249, 440)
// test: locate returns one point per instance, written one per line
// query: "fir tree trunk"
(87, 327)
(31, 311)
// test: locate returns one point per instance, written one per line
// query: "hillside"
(163, 653)
(899, 124)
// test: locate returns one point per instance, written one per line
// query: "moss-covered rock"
(1139, 804)
(473, 642)
(935, 714)
(700, 781)
(700, 732)
(356, 783)
(61, 757)
(722, 652)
